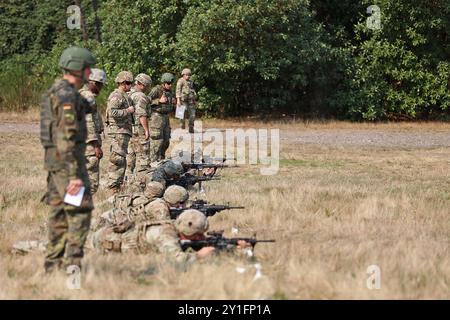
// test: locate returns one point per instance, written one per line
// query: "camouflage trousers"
(117, 160)
(68, 226)
(160, 136)
(138, 158)
(190, 114)
(93, 168)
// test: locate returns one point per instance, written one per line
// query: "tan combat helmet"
(144, 79)
(191, 222)
(154, 189)
(98, 75)
(124, 76)
(186, 71)
(175, 194)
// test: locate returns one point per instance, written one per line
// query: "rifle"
(201, 166)
(218, 241)
(208, 210)
(189, 180)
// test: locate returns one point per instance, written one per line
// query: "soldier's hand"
(98, 152)
(130, 109)
(205, 252)
(74, 186)
(243, 244)
(147, 135)
(163, 99)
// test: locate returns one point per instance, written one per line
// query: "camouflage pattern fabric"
(120, 127)
(94, 130)
(63, 135)
(186, 92)
(160, 123)
(159, 237)
(117, 160)
(138, 151)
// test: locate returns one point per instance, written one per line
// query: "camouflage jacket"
(63, 129)
(156, 93)
(142, 109)
(94, 121)
(149, 237)
(186, 91)
(119, 120)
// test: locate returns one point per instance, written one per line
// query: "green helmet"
(167, 78)
(76, 59)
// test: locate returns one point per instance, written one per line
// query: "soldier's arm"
(67, 130)
(179, 89)
(166, 240)
(141, 112)
(92, 134)
(114, 108)
(154, 96)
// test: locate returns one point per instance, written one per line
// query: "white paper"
(179, 112)
(76, 199)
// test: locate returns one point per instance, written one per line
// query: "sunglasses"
(128, 83)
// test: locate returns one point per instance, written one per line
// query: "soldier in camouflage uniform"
(120, 119)
(166, 170)
(187, 96)
(63, 136)
(138, 149)
(157, 236)
(163, 103)
(132, 209)
(95, 128)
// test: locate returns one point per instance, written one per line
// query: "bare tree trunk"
(82, 23)
(98, 36)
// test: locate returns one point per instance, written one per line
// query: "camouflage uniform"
(138, 149)
(120, 123)
(166, 170)
(63, 135)
(144, 238)
(186, 92)
(95, 128)
(159, 122)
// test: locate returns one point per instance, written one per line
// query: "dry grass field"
(352, 198)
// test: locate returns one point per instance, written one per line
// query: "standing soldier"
(63, 136)
(187, 96)
(94, 124)
(120, 119)
(163, 103)
(138, 150)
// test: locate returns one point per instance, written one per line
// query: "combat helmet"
(144, 79)
(186, 71)
(191, 222)
(76, 59)
(175, 194)
(98, 75)
(123, 76)
(167, 78)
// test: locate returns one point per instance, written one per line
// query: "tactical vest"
(49, 115)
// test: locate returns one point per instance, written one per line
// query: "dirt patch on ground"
(367, 138)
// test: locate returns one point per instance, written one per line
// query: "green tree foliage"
(262, 57)
(402, 70)
(253, 55)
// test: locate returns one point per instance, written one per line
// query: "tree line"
(318, 59)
